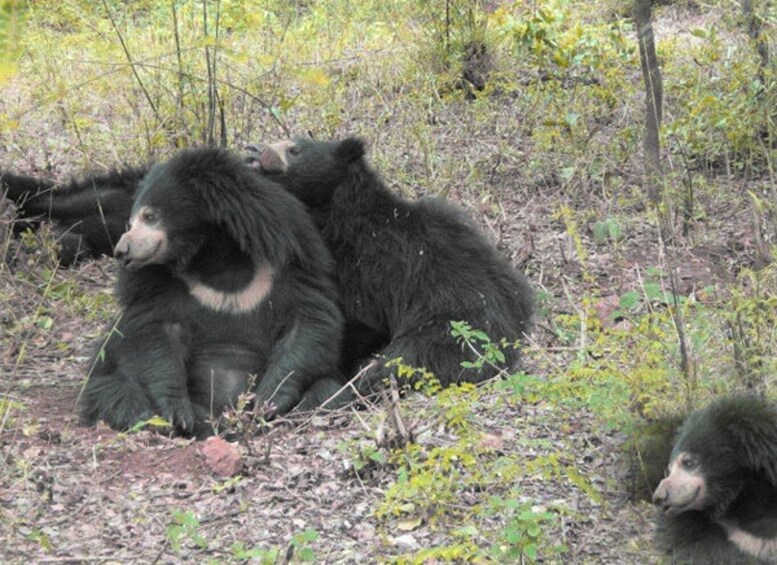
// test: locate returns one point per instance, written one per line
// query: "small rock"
(222, 457)
(491, 441)
(605, 308)
(406, 542)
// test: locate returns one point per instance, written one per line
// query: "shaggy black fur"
(224, 277)
(89, 215)
(718, 501)
(404, 269)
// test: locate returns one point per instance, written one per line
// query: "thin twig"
(131, 63)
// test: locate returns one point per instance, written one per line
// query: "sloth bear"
(89, 215)
(225, 284)
(404, 270)
(718, 501)
(444, 268)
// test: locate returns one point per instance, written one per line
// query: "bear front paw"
(180, 414)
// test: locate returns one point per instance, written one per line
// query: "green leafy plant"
(301, 543)
(184, 526)
(524, 387)
(430, 480)
(8, 408)
(154, 423)
(523, 534)
(254, 555)
(751, 321)
(478, 342)
(721, 114)
(363, 456)
(417, 378)
(607, 231)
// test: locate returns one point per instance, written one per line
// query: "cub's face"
(685, 486)
(311, 170)
(704, 467)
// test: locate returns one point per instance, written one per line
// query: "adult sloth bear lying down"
(88, 215)
(225, 287)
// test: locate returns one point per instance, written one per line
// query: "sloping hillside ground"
(532, 467)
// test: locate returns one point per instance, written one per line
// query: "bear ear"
(350, 149)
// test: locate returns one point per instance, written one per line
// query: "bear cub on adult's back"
(404, 269)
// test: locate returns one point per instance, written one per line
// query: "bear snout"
(271, 161)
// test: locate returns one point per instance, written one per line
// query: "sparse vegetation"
(529, 116)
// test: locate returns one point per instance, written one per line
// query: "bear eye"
(149, 216)
(294, 150)
(688, 463)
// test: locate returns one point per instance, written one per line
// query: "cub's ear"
(350, 149)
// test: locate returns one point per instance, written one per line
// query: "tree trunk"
(754, 30)
(653, 98)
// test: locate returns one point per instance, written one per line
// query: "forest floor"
(77, 494)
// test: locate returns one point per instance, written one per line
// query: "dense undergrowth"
(529, 114)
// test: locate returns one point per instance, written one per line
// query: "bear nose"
(661, 495)
(121, 250)
(253, 155)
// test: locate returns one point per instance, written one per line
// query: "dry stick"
(180, 60)
(679, 323)
(740, 344)
(349, 384)
(583, 314)
(131, 63)
(652, 148)
(391, 399)
(209, 129)
(278, 387)
(161, 551)
(689, 194)
(77, 559)
(763, 255)
(210, 64)
(677, 315)
(99, 355)
(754, 30)
(653, 103)
(216, 98)
(228, 84)
(447, 28)
(653, 97)
(677, 318)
